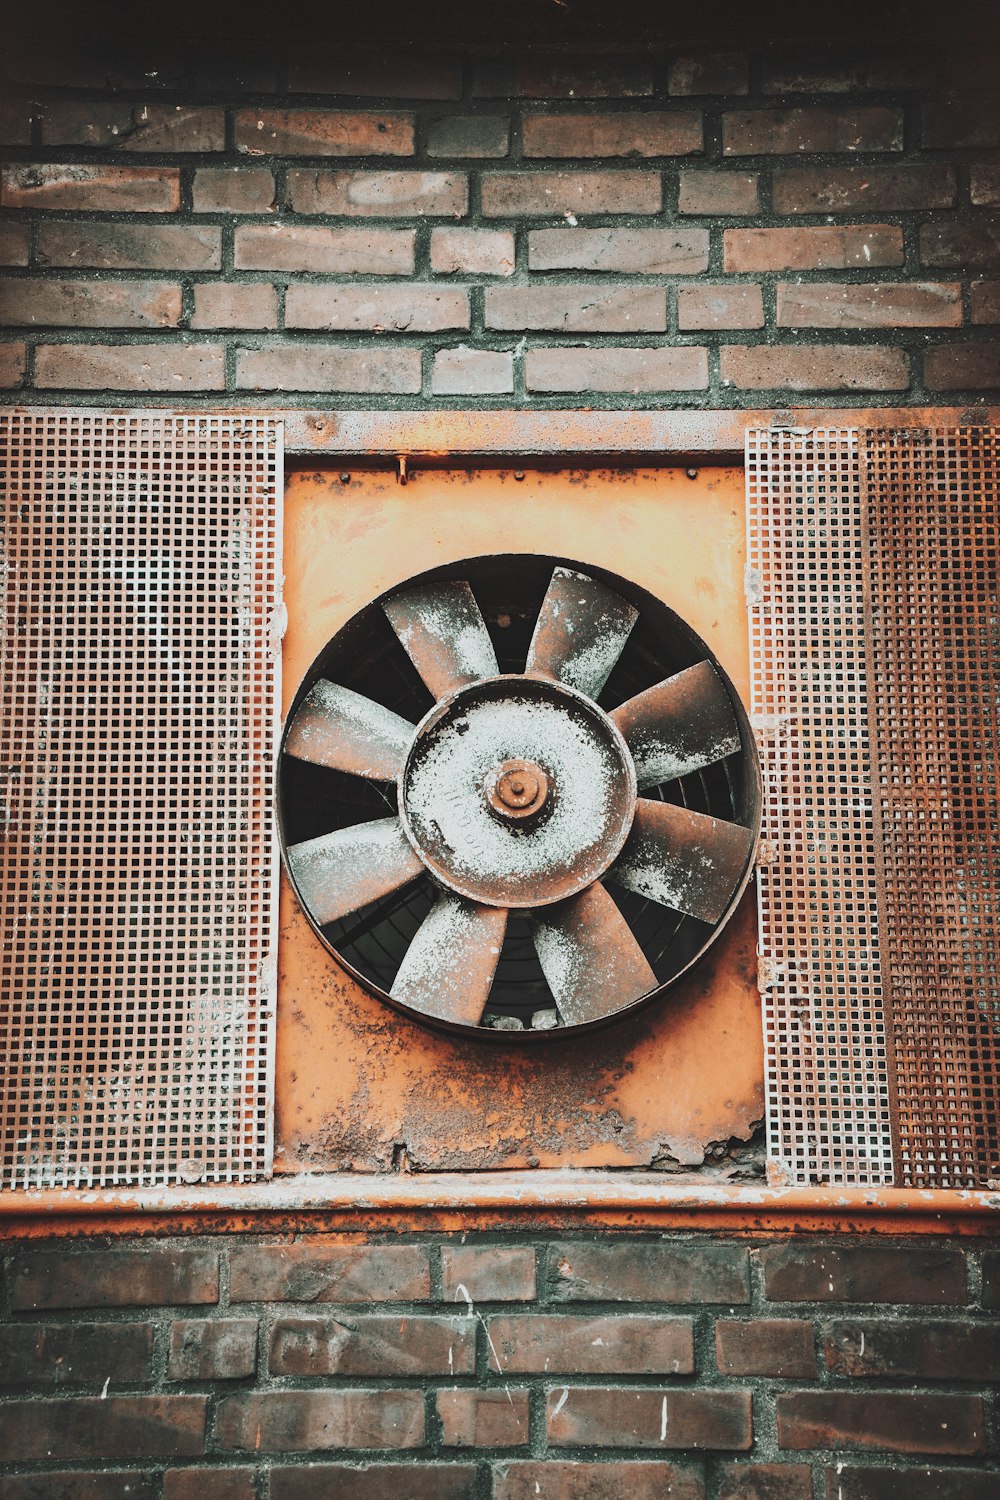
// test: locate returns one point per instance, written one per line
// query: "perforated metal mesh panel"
(137, 878)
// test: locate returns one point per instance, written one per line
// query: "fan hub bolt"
(519, 790)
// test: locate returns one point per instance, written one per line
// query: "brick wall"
(695, 1367)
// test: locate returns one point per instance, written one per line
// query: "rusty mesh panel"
(934, 525)
(827, 1065)
(137, 880)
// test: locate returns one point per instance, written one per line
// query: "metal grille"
(139, 674)
(827, 1064)
(932, 565)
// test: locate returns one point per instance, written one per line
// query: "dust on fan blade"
(444, 634)
(346, 731)
(682, 724)
(580, 632)
(339, 872)
(448, 969)
(592, 962)
(686, 860)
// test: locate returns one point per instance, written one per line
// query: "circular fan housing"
(517, 796)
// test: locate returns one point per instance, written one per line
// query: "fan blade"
(590, 957)
(444, 634)
(681, 724)
(580, 632)
(449, 966)
(683, 859)
(339, 728)
(341, 871)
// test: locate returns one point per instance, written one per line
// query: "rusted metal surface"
(339, 872)
(347, 732)
(678, 725)
(592, 962)
(443, 633)
(581, 629)
(448, 969)
(687, 860)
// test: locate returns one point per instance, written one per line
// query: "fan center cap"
(519, 790)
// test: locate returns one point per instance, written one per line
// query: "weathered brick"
(508, 194)
(130, 247)
(373, 1345)
(704, 191)
(156, 1275)
(805, 1272)
(75, 1353)
(709, 73)
(823, 248)
(869, 189)
(131, 367)
(329, 1273)
(323, 132)
(562, 1479)
(484, 1419)
(577, 309)
(478, 252)
(850, 1482)
(646, 134)
(227, 304)
(101, 1484)
(319, 1421)
(383, 309)
(488, 1273)
(680, 368)
(564, 1343)
(13, 244)
(765, 1482)
(375, 75)
(535, 77)
(985, 301)
(789, 132)
(415, 1481)
(138, 189)
(696, 1272)
(886, 304)
(605, 1417)
(212, 1348)
(479, 136)
(15, 122)
(134, 127)
(984, 184)
(89, 304)
(114, 1427)
(961, 124)
(958, 367)
(991, 1278)
(733, 306)
(645, 252)
(814, 367)
(765, 1346)
(393, 195)
(13, 364)
(234, 190)
(911, 1423)
(965, 246)
(312, 247)
(849, 72)
(929, 1349)
(472, 372)
(218, 1483)
(329, 367)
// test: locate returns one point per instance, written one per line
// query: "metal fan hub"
(535, 747)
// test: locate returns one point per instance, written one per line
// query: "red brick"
(130, 367)
(75, 1353)
(224, 304)
(834, 248)
(155, 1276)
(411, 1481)
(329, 1273)
(131, 247)
(139, 189)
(13, 244)
(106, 1484)
(765, 1482)
(848, 1482)
(678, 368)
(323, 132)
(319, 1421)
(375, 75)
(329, 367)
(13, 363)
(765, 1346)
(381, 309)
(482, 137)
(651, 1272)
(484, 1419)
(961, 124)
(478, 252)
(561, 1479)
(310, 247)
(488, 1273)
(114, 1427)
(233, 190)
(886, 304)
(710, 192)
(134, 127)
(787, 132)
(90, 304)
(709, 73)
(212, 1349)
(509, 194)
(393, 1344)
(604, 1417)
(914, 1423)
(932, 1350)
(395, 195)
(958, 367)
(732, 306)
(985, 301)
(849, 73)
(991, 1278)
(534, 77)
(577, 309)
(803, 1272)
(814, 367)
(677, 134)
(564, 1343)
(984, 184)
(965, 246)
(219, 1484)
(472, 372)
(15, 122)
(867, 189)
(645, 252)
